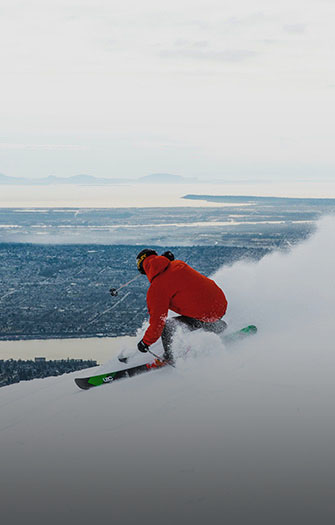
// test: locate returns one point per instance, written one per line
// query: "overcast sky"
(230, 89)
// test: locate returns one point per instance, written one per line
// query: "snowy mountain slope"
(234, 435)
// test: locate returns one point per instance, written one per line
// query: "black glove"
(142, 346)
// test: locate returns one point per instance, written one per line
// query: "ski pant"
(192, 324)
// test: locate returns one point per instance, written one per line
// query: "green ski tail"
(251, 329)
(103, 379)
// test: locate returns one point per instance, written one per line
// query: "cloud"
(191, 44)
(97, 69)
(52, 147)
(294, 29)
(227, 55)
(249, 19)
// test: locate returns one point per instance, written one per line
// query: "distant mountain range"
(155, 178)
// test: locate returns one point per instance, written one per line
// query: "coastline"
(152, 196)
(100, 349)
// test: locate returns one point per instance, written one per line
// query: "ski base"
(103, 379)
(226, 338)
(86, 383)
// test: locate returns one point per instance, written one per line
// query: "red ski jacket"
(176, 286)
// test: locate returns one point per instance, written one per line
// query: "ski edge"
(86, 383)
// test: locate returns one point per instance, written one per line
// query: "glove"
(142, 346)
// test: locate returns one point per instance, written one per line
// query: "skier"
(174, 285)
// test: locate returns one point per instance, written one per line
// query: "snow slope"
(232, 435)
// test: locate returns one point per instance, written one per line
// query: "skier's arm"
(158, 305)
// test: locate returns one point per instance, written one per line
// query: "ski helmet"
(143, 255)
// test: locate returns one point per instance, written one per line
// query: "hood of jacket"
(154, 265)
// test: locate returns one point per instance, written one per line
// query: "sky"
(226, 89)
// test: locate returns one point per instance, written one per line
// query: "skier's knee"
(221, 326)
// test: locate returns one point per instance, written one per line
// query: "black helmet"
(143, 255)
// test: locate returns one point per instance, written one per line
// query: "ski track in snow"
(241, 434)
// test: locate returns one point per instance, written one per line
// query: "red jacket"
(176, 286)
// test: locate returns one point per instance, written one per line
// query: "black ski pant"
(192, 324)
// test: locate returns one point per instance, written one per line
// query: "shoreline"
(100, 349)
(160, 195)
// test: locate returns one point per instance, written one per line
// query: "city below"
(14, 371)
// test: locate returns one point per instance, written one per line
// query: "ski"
(226, 338)
(86, 383)
(251, 329)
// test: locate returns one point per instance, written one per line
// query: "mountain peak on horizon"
(83, 178)
(162, 178)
